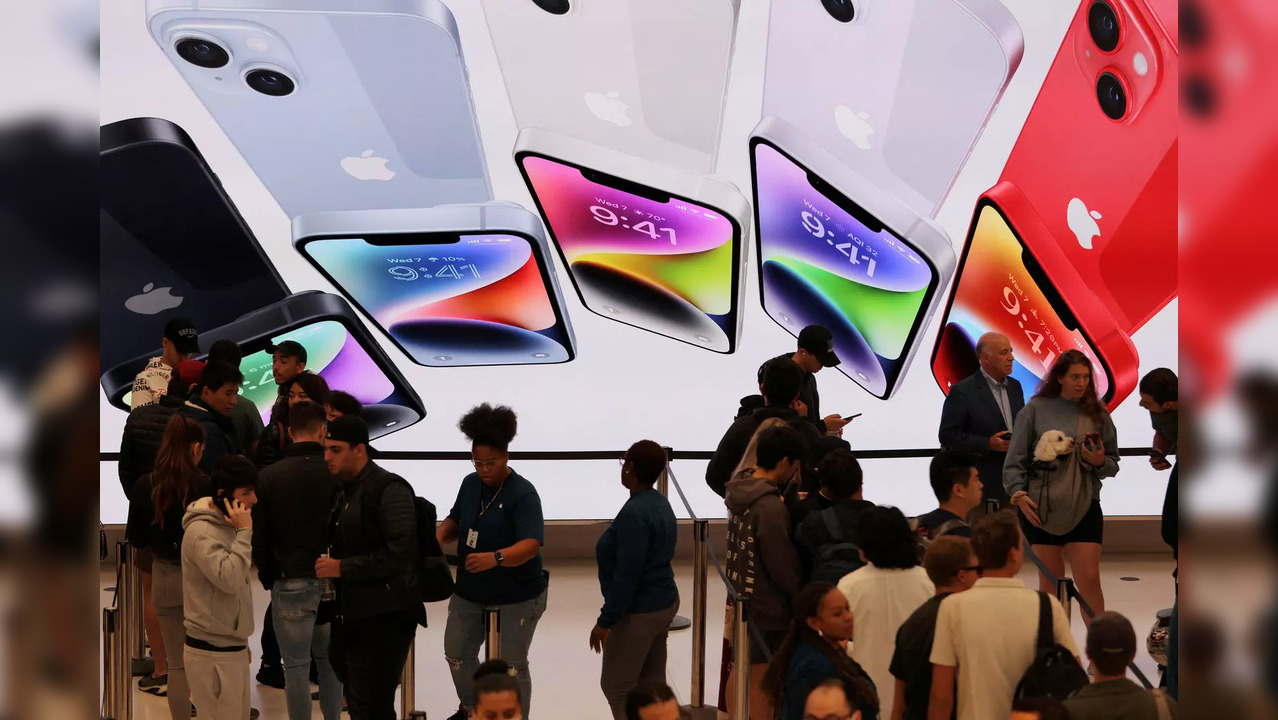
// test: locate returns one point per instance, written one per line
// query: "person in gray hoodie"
(763, 564)
(217, 551)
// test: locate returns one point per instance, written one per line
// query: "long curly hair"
(492, 426)
(1050, 387)
(806, 606)
(175, 468)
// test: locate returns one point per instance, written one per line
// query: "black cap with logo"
(289, 348)
(182, 333)
(348, 429)
(820, 342)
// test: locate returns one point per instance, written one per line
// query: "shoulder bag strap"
(831, 524)
(1160, 702)
(1046, 629)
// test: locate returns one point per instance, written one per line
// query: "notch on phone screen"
(825, 260)
(641, 256)
(1002, 288)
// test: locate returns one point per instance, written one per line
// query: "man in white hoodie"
(217, 551)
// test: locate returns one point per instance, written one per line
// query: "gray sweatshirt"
(1065, 491)
(762, 561)
(216, 568)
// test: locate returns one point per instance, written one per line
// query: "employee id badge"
(472, 539)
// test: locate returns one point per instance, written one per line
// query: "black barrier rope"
(614, 454)
(1082, 604)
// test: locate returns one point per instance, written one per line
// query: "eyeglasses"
(485, 464)
(623, 460)
(829, 717)
(972, 568)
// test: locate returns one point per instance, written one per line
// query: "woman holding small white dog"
(1063, 444)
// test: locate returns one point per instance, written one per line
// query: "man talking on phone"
(816, 351)
(979, 412)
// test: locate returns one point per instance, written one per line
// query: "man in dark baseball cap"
(815, 351)
(289, 361)
(180, 341)
(1111, 646)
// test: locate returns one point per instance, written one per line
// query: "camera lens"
(554, 7)
(1102, 22)
(841, 10)
(1112, 96)
(203, 53)
(269, 82)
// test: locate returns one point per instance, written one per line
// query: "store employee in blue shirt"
(499, 529)
(640, 596)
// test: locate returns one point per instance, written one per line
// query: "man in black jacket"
(144, 430)
(290, 532)
(780, 383)
(979, 412)
(815, 352)
(215, 396)
(374, 547)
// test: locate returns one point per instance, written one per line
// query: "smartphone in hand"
(850, 418)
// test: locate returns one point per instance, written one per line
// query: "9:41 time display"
(647, 227)
(1012, 305)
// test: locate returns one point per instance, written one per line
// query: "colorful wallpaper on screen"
(822, 266)
(996, 293)
(663, 266)
(478, 301)
(333, 353)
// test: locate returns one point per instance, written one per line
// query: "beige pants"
(219, 683)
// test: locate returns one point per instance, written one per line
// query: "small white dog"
(1052, 445)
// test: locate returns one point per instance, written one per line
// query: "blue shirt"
(634, 556)
(809, 667)
(513, 513)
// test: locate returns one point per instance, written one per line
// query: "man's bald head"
(994, 351)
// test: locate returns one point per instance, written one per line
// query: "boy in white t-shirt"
(990, 631)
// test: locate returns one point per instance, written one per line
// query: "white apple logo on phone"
(1082, 222)
(855, 126)
(153, 300)
(367, 167)
(609, 107)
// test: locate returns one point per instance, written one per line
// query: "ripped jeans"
(465, 634)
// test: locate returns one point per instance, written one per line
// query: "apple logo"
(855, 126)
(609, 107)
(367, 167)
(153, 300)
(1082, 222)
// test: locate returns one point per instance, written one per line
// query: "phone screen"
(657, 262)
(826, 261)
(995, 291)
(448, 299)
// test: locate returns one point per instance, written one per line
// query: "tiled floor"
(566, 672)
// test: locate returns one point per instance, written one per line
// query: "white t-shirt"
(881, 600)
(989, 633)
(150, 384)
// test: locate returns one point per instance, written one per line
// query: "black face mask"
(1168, 424)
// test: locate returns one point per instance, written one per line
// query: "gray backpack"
(925, 535)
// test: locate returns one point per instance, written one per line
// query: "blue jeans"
(294, 602)
(465, 634)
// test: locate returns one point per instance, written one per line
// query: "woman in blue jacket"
(640, 597)
(815, 650)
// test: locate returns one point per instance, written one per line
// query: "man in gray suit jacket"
(980, 410)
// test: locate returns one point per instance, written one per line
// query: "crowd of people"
(856, 611)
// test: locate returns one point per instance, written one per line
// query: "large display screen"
(452, 300)
(654, 261)
(825, 261)
(995, 291)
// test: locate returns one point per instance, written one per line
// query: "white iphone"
(899, 90)
(645, 244)
(643, 77)
(336, 104)
(836, 251)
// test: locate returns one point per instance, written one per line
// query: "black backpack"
(838, 557)
(1055, 672)
(925, 535)
(434, 579)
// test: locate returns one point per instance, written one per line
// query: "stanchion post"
(992, 505)
(492, 633)
(663, 486)
(700, 571)
(130, 606)
(408, 684)
(741, 659)
(110, 697)
(1064, 593)
(121, 677)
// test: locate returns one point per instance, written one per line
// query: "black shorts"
(773, 640)
(1091, 529)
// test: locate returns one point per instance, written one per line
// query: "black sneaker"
(271, 676)
(157, 686)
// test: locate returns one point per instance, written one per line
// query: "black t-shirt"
(502, 516)
(912, 659)
(939, 517)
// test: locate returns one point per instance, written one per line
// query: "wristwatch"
(500, 558)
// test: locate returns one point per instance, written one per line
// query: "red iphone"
(1014, 279)
(1097, 156)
